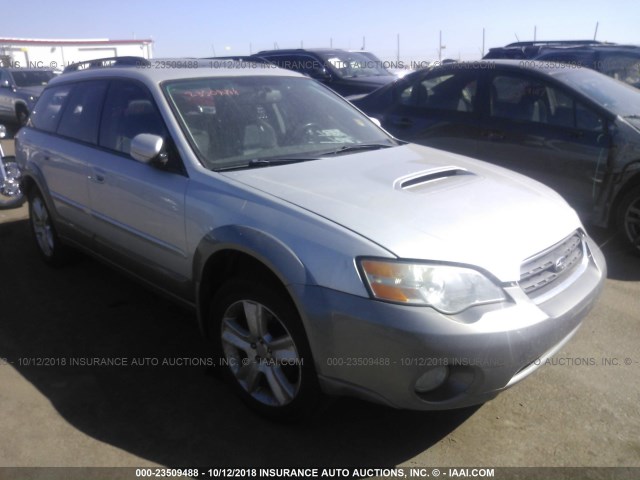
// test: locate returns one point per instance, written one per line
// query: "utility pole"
(440, 48)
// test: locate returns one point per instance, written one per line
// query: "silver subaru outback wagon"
(322, 255)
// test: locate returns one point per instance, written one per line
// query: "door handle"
(98, 176)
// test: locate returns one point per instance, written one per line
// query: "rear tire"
(262, 349)
(629, 218)
(22, 114)
(52, 251)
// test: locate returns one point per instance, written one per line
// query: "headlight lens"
(446, 288)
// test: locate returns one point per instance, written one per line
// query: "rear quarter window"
(48, 110)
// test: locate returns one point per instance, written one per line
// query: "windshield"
(618, 97)
(236, 122)
(31, 78)
(355, 64)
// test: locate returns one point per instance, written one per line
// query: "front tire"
(22, 114)
(629, 218)
(52, 251)
(262, 349)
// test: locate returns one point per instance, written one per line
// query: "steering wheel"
(305, 133)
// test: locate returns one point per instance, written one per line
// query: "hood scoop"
(415, 181)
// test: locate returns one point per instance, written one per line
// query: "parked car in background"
(348, 73)
(19, 90)
(530, 50)
(321, 254)
(576, 130)
(621, 62)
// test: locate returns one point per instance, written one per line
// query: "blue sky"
(199, 27)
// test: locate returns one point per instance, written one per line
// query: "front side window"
(47, 112)
(129, 110)
(447, 91)
(532, 100)
(81, 116)
(236, 120)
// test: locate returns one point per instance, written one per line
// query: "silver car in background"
(321, 255)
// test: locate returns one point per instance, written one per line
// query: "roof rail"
(553, 42)
(239, 58)
(108, 62)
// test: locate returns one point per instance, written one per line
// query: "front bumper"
(378, 351)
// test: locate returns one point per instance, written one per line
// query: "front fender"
(260, 246)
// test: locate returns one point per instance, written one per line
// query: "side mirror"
(320, 74)
(146, 147)
(376, 121)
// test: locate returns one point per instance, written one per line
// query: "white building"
(58, 53)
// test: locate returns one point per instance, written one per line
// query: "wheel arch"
(227, 251)
(633, 181)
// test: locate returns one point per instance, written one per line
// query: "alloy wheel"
(261, 353)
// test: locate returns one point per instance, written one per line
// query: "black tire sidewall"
(629, 199)
(279, 304)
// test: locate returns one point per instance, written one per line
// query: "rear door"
(538, 128)
(437, 108)
(66, 122)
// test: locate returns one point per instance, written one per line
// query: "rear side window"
(81, 115)
(129, 110)
(447, 91)
(47, 112)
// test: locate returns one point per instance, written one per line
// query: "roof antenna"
(596, 32)
(517, 37)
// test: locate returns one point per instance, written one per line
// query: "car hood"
(422, 203)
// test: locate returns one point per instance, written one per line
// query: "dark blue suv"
(621, 62)
(347, 73)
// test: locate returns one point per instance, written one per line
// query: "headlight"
(446, 288)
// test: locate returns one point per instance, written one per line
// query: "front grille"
(552, 265)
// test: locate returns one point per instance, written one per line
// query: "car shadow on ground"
(178, 416)
(622, 263)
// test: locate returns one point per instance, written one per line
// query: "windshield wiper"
(357, 147)
(264, 162)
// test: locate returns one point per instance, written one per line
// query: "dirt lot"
(583, 410)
